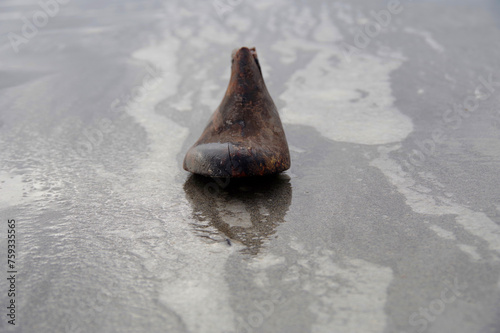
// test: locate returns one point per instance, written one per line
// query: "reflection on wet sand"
(244, 210)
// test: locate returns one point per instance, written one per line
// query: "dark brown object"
(244, 136)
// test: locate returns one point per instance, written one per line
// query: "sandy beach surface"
(388, 220)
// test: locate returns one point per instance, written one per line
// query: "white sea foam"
(200, 300)
(443, 233)
(476, 223)
(347, 102)
(427, 36)
(471, 251)
(345, 294)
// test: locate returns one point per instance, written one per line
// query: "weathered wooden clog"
(244, 136)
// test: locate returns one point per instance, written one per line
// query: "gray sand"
(388, 220)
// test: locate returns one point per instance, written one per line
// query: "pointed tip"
(245, 66)
(244, 51)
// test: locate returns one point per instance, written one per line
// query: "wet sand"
(387, 221)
